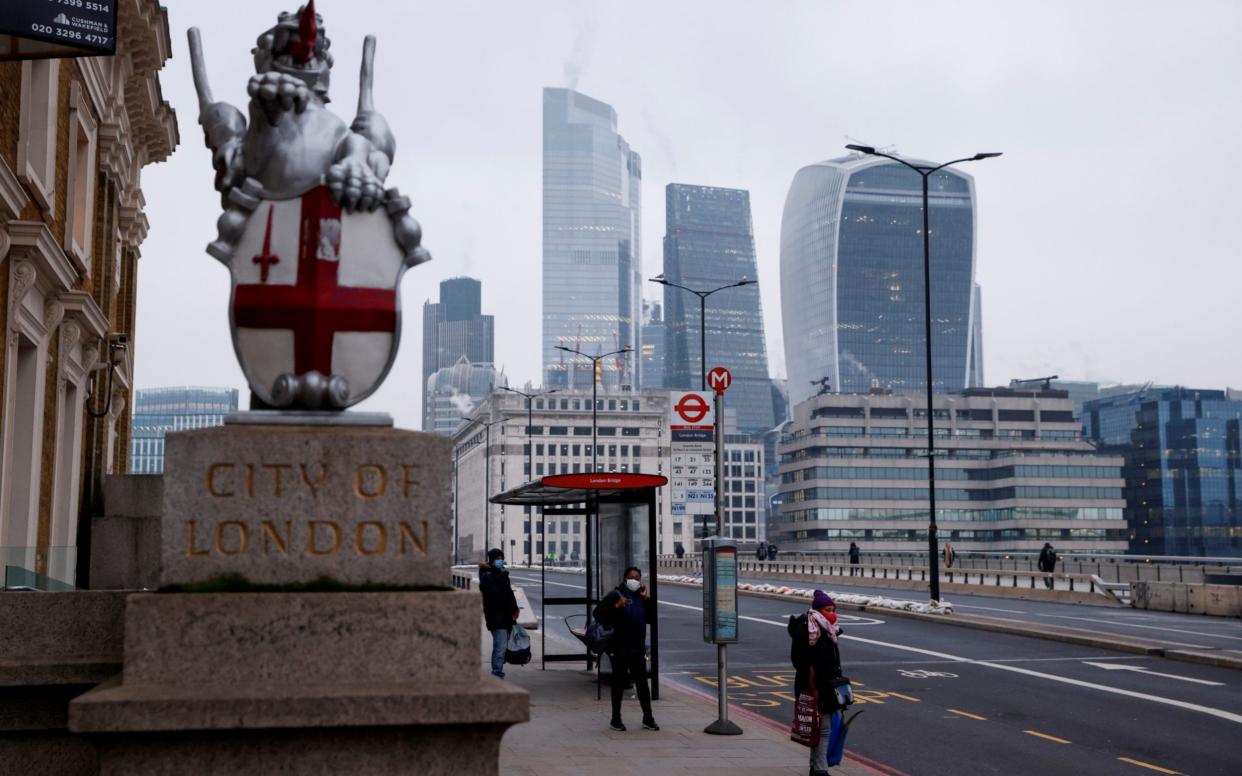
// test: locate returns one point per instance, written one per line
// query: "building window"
(36, 144)
(80, 199)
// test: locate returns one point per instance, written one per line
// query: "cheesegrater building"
(852, 279)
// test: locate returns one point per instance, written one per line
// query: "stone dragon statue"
(291, 144)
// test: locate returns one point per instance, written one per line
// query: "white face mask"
(633, 585)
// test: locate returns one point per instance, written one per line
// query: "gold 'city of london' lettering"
(367, 538)
(248, 480)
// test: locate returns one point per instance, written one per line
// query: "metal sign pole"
(720, 584)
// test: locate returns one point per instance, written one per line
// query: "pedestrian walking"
(771, 552)
(855, 558)
(500, 609)
(679, 550)
(816, 657)
(628, 611)
(1048, 563)
(761, 552)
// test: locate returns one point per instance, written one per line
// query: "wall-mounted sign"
(36, 29)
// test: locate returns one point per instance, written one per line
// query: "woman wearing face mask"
(627, 610)
(500, 609)
(814, 648)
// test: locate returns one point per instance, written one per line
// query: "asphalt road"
(1179, 631)
(939, 699)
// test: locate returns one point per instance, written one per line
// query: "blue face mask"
(499, 564)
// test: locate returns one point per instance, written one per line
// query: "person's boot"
(649, 723)
(617, 724)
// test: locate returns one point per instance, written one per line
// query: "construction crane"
(1047, 381)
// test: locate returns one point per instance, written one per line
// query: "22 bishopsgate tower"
(710, 243)
(852, 279)
(592, 266)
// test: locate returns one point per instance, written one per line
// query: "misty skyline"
(1106, 238)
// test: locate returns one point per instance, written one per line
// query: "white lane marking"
(1148, 627)
(923, 673)
(1143, 670)
(740, 616)
(989, 608)
(558, 584)
(1228, 716)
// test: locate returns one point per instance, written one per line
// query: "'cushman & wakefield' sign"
(31, 29)
(351, 506)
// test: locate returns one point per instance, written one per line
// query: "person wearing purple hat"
(814, 653)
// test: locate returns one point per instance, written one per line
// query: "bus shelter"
(619, 512)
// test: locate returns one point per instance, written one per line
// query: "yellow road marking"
(967, 714)
(1149, 766)
(1037, 734)
(903, 697)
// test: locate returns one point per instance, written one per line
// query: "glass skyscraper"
(454, 328)
(653, 349)
(1183, 467)
(592, 262)
(852, 279)
(160, 410)
(709, 242)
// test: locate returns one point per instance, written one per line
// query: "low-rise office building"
(1012, 472)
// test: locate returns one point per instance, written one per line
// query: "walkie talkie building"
(852, 279)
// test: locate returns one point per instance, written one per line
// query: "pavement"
(568, 733)
(940, 699)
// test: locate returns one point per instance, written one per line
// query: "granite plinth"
(53, 647)
(279, 639)
(286, 505)
(438, 751)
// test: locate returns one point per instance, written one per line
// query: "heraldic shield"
(315, 290)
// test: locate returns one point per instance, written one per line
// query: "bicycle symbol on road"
(922, 673)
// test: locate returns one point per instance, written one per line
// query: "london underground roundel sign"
(692, 408)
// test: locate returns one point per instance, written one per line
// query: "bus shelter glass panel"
(624, 541)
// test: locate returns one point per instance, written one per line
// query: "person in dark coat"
(679, 550)
(1048, 563)
(500, 609)
(628, 611)
(855, 558)
(814, 652)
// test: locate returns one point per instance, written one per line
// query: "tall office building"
(710, 243)
(592, 264)
(1183, 467)
(454, 328)
(653, 346)
(160, 410)
(852, 279)
(454, 391)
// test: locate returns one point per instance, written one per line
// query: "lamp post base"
(723, 727)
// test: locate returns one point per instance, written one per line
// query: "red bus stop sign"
(719, 379)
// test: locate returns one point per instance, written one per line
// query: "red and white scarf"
(817, 625)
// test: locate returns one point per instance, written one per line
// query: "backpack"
(800, 646)
(518, 650)
(598, 637)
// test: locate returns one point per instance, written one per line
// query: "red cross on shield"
(315, 289)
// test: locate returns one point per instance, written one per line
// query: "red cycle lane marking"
(852, 757)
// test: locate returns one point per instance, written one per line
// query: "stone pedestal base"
(53, 646)
(300, 683)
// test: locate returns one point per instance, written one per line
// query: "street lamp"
(702, 295)
(594, 385)
(530, 466)
(925, 172)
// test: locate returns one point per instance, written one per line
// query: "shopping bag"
(836, 737)
(805, 728)
(518, 650)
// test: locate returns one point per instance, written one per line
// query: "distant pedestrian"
(628, 611)
(500, 608)
(761, 552)
(1048, 563)
(855, 558)
(679, 550)
(814, 653)
(771, 552)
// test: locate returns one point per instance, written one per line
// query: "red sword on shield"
(266, 258)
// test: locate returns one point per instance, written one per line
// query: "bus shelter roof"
(576, 488)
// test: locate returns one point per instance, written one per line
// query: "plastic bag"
(518, 650)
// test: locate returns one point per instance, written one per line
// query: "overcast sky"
(1108, 233)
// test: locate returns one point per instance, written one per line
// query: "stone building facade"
(75, 134)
